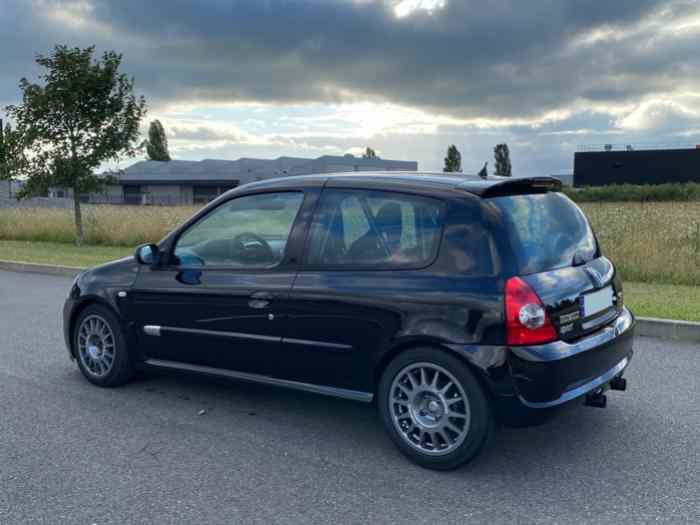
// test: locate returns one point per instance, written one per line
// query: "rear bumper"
(552, 374)
(579, 391)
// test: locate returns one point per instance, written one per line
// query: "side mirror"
(147, 254)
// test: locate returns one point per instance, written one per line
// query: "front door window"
(247, 232)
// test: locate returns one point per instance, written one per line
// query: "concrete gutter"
(673, 330)
(47, 269)
(670, 329)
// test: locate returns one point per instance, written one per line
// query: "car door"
(359, 280)
(219, 298)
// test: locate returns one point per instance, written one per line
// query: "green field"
(103, 225)
(652, 244)
(655, 242)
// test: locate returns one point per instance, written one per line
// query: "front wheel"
(100, 347)
(434, 409)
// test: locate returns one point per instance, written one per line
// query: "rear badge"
(569, 318)
(565, 329)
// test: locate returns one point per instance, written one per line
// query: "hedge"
(630, 192)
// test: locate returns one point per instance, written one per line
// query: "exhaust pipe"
(618, 383)
(596, 399)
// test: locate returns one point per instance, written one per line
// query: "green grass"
(60, 253)
(646, 300)
(656, 242)
(651, 242)
(103, 225)
(663, 300)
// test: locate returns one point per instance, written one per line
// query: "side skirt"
(353, 395)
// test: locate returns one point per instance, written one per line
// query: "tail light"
(527, 321)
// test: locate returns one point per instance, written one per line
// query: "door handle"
(260, 300)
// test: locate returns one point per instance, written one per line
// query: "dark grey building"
(632, 166)
(195, 182)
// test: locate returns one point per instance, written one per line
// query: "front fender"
(108, 284)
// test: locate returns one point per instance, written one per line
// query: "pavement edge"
(47, 269)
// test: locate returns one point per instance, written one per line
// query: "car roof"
(417, 181)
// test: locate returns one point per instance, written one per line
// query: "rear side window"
(546, 231)
(377, 229)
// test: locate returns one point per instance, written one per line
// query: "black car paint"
(102, 285)
(338, 329)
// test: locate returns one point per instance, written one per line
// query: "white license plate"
(597, 301)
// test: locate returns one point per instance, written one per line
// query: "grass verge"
(60, 254)
(665, 301)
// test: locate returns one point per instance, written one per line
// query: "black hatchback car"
(450, 302)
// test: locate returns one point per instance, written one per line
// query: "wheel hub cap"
(94, 351)
(427, 409)
(94, 347)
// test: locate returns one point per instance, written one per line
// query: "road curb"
(673, 330)
(47, 269)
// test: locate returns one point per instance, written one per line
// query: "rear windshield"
(546, 231)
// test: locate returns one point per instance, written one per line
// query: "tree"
(13, 158)
(502, 156)
(453, 161)
(484, 172)
(157, 142)
(369, 154)
(82, 114)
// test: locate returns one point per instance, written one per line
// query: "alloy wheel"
(96, 345)
(429, 408)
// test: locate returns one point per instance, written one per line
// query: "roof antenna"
(484, 171)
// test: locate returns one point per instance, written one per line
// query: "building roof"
(246, 170)
(180, 170)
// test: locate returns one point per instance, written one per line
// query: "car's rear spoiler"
(501, 186)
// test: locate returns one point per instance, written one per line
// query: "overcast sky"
(267, 78)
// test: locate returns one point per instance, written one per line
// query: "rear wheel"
(434, 409)
(100, 347)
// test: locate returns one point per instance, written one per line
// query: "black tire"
(121, 368)
(481, 419)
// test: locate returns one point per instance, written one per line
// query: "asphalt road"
(71, 453)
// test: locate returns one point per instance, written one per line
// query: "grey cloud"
(509, 59)
(498, 59)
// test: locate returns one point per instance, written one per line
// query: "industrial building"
(630, 165)
(196, 182)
